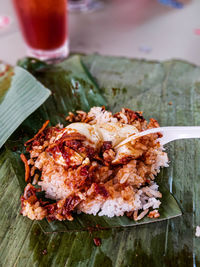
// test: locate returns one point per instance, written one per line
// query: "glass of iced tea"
(44, 27)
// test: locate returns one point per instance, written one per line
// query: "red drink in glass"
(44, 27)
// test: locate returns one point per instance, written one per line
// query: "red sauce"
(100, 189)
(29, 191)
(51, 208)
(67, 153)
(84, 171)
(126, 160)
(54, 149)
(70, 203)
(43, 22)
(97, 241)
(88, 151)
(36, 143)
(74, 144)
(106, 146)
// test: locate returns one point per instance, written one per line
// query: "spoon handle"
(176, 133)
(170, 133)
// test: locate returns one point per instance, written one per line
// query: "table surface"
(139, 29)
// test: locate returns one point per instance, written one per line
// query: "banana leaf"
(168, 91)
(64, 79)
(20, 95)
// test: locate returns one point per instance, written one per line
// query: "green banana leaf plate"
(168, 91)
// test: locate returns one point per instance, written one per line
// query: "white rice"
(118, 206)
(101, 116)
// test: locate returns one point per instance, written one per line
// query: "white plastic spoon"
(170, 133)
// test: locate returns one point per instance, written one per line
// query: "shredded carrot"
(38, 133)
(27, 168)
(153, 214)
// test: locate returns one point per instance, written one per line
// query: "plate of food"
(71, 195)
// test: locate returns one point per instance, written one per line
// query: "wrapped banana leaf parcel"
(70, 193)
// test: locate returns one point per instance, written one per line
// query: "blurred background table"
(131, 28)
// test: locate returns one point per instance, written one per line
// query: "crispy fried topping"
(38, 133)
(129, 115)
(62, 209)
(75, 172)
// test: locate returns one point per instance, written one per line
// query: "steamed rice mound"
(83, 168)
